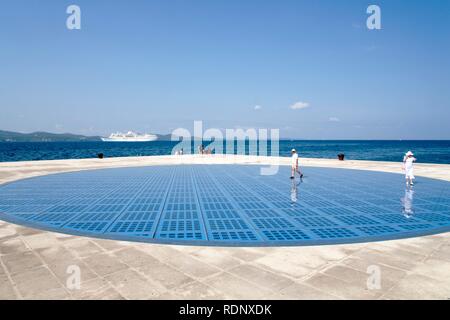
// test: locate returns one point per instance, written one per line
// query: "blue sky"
(153, 66)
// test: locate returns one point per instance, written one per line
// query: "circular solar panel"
(230, 205)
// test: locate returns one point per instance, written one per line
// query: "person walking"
(294, 164)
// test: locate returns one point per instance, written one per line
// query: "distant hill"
(9, 136)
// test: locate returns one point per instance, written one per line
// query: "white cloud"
(334, 119)
(299, 105)
(258, 107)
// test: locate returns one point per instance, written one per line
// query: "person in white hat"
(294, 164)
(408, 161)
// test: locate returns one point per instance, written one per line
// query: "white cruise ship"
(130, 136)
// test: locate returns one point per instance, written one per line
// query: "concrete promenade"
(33, 263)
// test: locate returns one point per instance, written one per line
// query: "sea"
(425, 151)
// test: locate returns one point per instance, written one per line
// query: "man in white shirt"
(294, 165)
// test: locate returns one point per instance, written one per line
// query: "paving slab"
(434, 268)
(164, 275)
(7, 231)
(217, 258)
(41, 241)
(192, 267)
(299, 291)
(61, 262)
(13, 246)
(442, 253)
(104, 264)
(96, 289)
(234, 287)
(82, 247)
(400, 259)
(39, 283)
(6, 288)
(109, 245)
(281, 262)
(413, 287)
(341, 288)
(389, 275)
(267, 280)
(132, 285)
(193, 291)
(20, 262)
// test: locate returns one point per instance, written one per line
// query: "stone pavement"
(34, 263)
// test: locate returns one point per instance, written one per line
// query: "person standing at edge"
(294, 164)
(408, 161)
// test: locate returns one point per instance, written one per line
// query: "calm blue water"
(425, 151)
